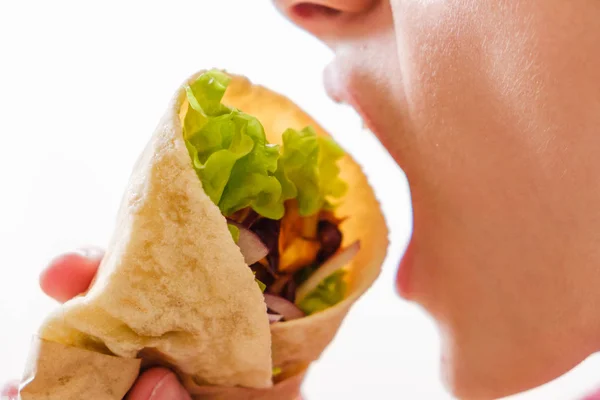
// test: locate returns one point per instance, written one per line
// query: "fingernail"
(169, 388)
(91, 252)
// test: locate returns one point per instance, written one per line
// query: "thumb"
(158, 384)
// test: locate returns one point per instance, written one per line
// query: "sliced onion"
(281, 306)
(275, 318)
(252, 248)
(336, 262)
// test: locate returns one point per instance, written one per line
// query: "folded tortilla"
(173, 288)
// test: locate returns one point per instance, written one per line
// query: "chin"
(492, 368)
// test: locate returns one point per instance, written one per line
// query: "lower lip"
(403, 275)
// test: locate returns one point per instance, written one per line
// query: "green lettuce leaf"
(239, 168)
(332, 186)
(230, 153)
(235, 232)
(329, 292)
(310, 164)
(261, 285)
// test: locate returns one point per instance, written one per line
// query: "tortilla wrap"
(173, 288)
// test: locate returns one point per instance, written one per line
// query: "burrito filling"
(279, 201)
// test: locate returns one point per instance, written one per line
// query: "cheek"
(502, 249)
(485, 162)
(474, 172)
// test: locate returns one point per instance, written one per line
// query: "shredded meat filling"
(287, 237)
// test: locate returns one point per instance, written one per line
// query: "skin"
(492, 109)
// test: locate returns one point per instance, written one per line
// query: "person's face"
(492, 109)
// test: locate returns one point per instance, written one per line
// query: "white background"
(83, 84)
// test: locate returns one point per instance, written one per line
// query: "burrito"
(243, 238)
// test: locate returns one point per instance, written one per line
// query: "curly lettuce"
(239, 168)
(230, 152)
(310, 163)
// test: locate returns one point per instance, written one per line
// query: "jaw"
(509, 320)
(508, 269)
(494, 363)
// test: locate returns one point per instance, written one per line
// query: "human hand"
(71, 274)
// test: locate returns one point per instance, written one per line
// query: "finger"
(158, 384)
(70, 274)
(10, 391)
(593, 396)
